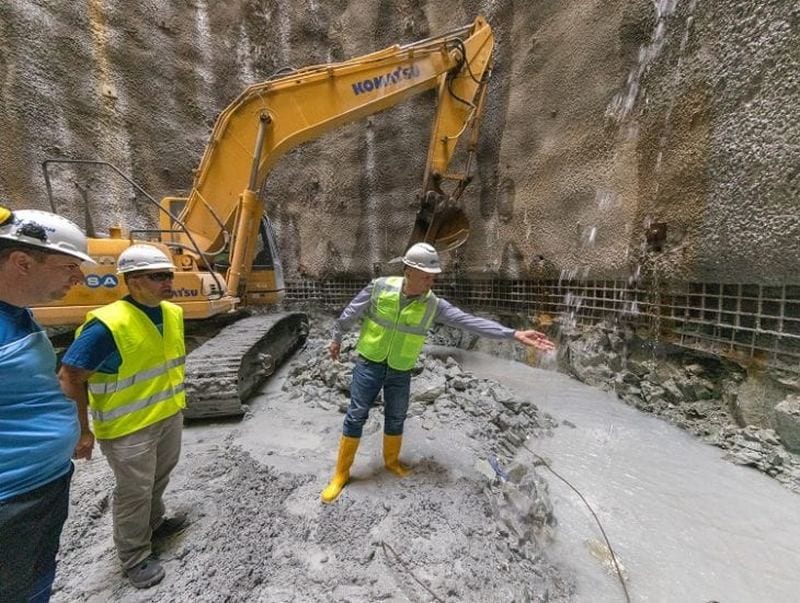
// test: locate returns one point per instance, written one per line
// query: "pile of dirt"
(441, 394)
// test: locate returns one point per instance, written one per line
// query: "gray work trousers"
(141, 462)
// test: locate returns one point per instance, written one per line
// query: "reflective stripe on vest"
(113, 386)
(148, 386)
(392, 334)
(99, 415)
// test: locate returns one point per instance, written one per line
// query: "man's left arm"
(354, 310)
(91, 349)
(448, 314)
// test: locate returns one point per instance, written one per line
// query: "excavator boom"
(270, 118)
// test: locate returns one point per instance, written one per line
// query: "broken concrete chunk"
(787, 422)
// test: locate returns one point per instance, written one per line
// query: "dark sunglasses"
(160, 277)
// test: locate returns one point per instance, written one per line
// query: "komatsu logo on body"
(184, 292)
(387, 79)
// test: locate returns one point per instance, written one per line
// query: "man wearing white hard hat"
(127, 366)
(40, 260)
(396, 314)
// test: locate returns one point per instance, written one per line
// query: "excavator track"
(227, 369)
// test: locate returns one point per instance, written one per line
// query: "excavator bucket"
(443, 225)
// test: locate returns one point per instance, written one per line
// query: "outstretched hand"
(535, 339)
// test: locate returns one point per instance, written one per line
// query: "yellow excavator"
(219, 237)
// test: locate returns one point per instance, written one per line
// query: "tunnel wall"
(605, 120)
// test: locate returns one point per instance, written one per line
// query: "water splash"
(631, 308)
(590, 235)
(284, 26)
(204, 40)
(244, 57)
(100, 42)
(284, 33)
(572, 301)
(622, 111)
(624, 101)
(113, 142)
(621, 107)
(567, 274)
(666, 132)
(547, 360)
(526, 221)
(493, 241)
(606, 200)
(373, 208)
(203, 71)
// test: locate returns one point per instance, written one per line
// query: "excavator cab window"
(266, 248)
(266, 252)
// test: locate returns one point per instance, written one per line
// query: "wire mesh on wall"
(754, 324)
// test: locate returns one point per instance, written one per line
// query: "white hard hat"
(143, 257)
(45, 230)
(423, 256)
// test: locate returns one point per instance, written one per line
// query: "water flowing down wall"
(604, 120)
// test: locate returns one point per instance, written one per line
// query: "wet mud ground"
(452, 531)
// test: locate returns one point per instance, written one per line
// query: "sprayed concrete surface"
(602, 116)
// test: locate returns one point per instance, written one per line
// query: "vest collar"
(420, 297)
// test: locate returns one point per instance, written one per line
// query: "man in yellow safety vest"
(396, 314)
(126, 366)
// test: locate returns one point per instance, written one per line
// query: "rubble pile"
(259, 534)
(522, 506)
(441, 393)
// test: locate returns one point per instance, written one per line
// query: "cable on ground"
(408, 571)
(600, 525)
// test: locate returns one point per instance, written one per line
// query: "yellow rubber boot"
(391, 452)
(347, 452)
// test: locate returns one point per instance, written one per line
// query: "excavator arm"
(270, 118)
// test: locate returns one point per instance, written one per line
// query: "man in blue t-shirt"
(40, 259)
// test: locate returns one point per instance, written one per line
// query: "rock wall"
(603, 117)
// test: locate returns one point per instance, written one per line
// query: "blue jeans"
(30, 530)
(368, 379)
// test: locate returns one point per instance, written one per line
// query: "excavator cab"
(265, 283)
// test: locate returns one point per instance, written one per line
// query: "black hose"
(600, 525)
(409, 572)
(459, 46)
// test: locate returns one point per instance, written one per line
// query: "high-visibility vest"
(391, 335)
(148, 386)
